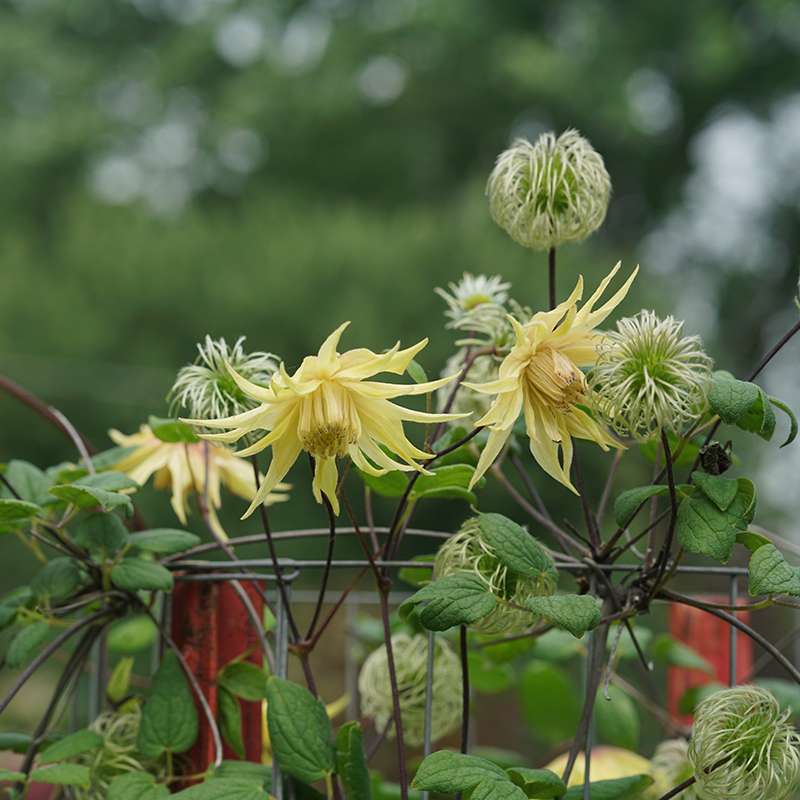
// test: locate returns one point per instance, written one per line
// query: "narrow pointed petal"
(596, 317)
(236, 421)
(327, 352)
(261, 393)
(289, 421)
(494, 444)
(326, 478)
(284, 454)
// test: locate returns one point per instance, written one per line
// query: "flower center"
(329, 422)
(554, 380)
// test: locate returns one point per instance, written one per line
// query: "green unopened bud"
(120, 681)
(411, 664)
(550, 192)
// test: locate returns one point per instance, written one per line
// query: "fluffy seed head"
(649, 377)
(205, 388)
(411, 663)
(467, 551)
(550, 192)
(743, 747)
(671, 766)
(476, 306)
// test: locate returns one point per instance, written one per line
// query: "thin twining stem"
(48, 651)
(190, 676)
(731, 619)
(326, 571)
(666, 549)
(393, 539)
(563, 537)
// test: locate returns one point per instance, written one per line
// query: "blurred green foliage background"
(171, 168)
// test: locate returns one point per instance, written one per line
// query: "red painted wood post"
(211, 627)
(710, 637)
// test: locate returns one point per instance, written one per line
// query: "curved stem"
(679, 788)
(326, 571)
(48, 651)
(737, 623)
(52, 415)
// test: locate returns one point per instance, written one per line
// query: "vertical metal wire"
(427, 744)
(281, 670)
(587, 751)
(350, 664)
(732, 631)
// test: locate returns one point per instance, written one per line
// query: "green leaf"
(13, 512)
(351, 763)
(103, 535)
(692, 697)
(101, 489)
(63, 775)
(626, 503)
(446, 772)
(230, 721)
(752, 540)
(702, 528)
(618, 789)
(461, 455)
(670, 651)
(26, 643)
(416, 373)
(719, 490)
(449, 482)
(12, 777)
(537, 783)
(556, 645)
(515, 548)
(119, 682)
(770, 573)
(83, 741)
(459, 599)
(792, 419)
(245, 680)
(575, 613)
(29, 482)
(743, 404)
(487, 677)
(787, 693)
(132, 635)
(550, 702)
(651, 450)
(14, 742)
(164, 541)
(300, 731)
(418, 576)
(136, 786)
(731, 399)
(8, 615)
(617, 719)
(169, 718)
(224, 789)
(134, 574)
(260, 774)
(497, 789)
(172, 430)
(59, 579)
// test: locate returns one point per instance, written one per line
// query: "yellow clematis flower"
(541, 378)
(329, 409)
(182, 467)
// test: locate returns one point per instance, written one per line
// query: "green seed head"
(551, 192)
(743, 747)
(466, 551)
(411, 664)
(649, 377)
